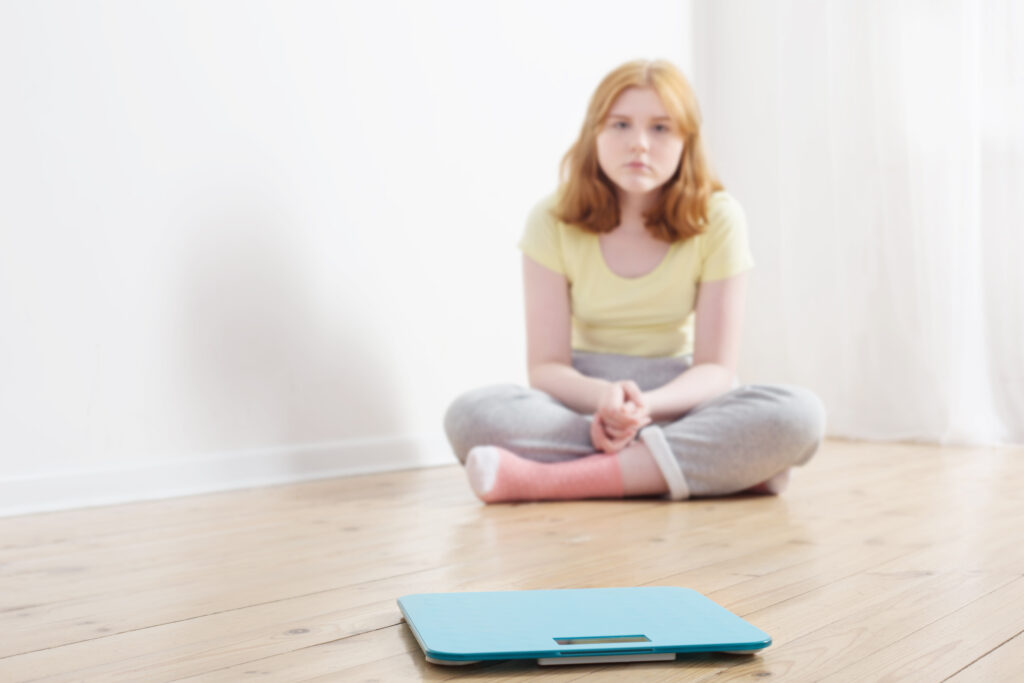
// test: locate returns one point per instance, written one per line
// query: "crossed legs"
(521, 444)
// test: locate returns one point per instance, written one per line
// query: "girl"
(634, 274)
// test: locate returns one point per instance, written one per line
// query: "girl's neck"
(631, 209)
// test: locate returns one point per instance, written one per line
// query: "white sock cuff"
(482, 467)
(657, 444)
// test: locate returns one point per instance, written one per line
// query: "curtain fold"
(878, 148)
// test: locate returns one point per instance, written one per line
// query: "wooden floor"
(882, 562)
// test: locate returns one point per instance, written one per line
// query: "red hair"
(587, 197)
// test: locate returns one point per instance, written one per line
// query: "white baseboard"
(63, 490)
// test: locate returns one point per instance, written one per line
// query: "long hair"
(587, 197)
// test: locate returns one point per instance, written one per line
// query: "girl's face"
(639, 145)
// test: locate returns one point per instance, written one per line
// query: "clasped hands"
(621, 412)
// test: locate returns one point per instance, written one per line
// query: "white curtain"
(878, 148)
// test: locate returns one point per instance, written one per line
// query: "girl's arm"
(715, 354)
(549, 343)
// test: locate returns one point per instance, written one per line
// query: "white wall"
(246, 242)
(877, 149)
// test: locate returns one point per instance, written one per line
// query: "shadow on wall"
(263, 367)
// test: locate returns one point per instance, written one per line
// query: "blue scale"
(577, 626)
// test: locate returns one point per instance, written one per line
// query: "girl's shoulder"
(543, 217)
(724, 212)
(547, 240)
(545, 207)
(722, 201)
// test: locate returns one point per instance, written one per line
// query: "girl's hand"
(622, 411)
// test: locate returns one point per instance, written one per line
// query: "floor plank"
(1004, 663)
(883, 561)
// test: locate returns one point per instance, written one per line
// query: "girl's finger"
(624, 420)
(633, 394)
(599, 443)
(617, 434)
(618, 444)
(598, 437)
(636, 412)
(613, 421)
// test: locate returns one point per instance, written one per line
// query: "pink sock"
(497, 475)
(773, 486)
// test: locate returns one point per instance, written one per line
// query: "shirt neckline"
(608, 269)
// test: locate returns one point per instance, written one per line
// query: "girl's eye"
(623, 125)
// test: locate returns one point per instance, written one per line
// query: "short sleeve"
(540, 239)
(725, 250)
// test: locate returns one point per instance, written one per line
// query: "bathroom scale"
(575, 626)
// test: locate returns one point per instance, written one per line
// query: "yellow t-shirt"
(651, 315)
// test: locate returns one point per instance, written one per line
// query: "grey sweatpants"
(722, 446)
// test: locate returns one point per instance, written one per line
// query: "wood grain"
(882, 562)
